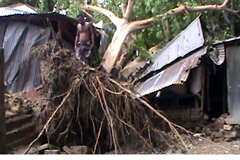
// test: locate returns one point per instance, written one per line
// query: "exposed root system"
(84, 106)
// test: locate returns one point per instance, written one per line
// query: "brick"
(227, 127)
(217, 134)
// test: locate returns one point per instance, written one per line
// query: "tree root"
(46, 125)
(96, 111)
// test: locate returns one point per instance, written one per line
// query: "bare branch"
(141, 24)
(129, 9)
(88, 14)
(116, 21)
(124, 7)
(226, 2)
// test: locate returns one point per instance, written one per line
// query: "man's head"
(81, 19)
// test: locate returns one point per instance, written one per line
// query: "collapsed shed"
(189, 78)
(21, 29)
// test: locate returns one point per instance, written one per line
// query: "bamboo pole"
(2, 108)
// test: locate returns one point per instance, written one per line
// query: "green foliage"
(191, 146)
(97, 57)
(215, 22)
(73, 10)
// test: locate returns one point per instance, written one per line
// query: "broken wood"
(52, 151)
(43, 147)
(2, 107)
(67, 150)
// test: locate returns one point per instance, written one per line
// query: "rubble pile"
(16, 105)
(221, 129)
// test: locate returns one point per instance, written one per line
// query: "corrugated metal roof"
(68, 25)
(26, 11)
(23, 7)
(175, 74)
(4, 11)
(188, 40)
(16, 9)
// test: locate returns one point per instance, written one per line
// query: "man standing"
(84, 41)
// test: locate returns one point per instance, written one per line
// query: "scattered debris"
(197, 135)
(80, 150)
(16, 105)
(227, 127)
(67, 150)
(52, 152)
(42, 148)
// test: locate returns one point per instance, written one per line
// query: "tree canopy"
(220, 24)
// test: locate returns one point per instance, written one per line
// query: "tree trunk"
(125, 56)
(114, 49)
(130, 70)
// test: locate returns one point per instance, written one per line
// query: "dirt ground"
(207, 147)
(196, 146)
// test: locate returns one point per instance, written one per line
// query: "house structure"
(190, 78)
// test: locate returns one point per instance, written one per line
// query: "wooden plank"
(2, 108)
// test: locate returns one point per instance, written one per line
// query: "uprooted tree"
(83, 105)
(126, 25)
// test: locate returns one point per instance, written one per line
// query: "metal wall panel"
(2, 33)
(22, 71)
(233, 80)
(12, 44)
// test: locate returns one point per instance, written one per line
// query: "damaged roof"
(175, 74)
(21, 28)
(188, 40)
(230, 40)
(173, 63)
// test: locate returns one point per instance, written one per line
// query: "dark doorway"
(216, 90)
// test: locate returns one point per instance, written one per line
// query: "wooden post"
(203, 88)
(2, 108)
